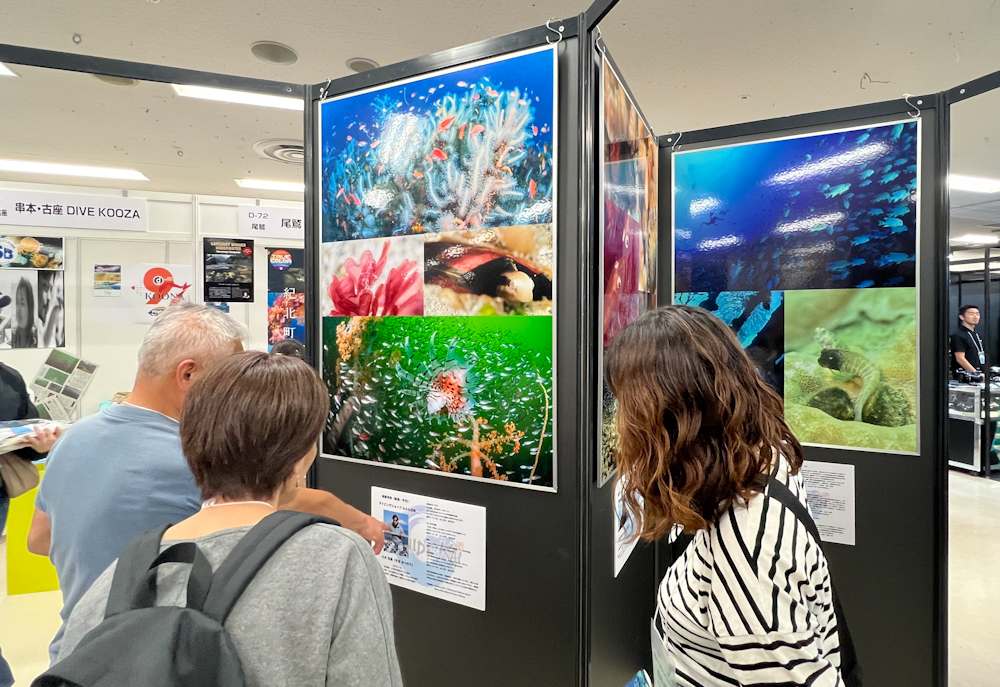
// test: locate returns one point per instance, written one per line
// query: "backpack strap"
(134, 582)
(133, 564)
(249, 556)
(848, 657)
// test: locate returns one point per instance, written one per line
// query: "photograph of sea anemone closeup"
(459, 395)
(851, 368)
(832, 210)
(373, 277)
(465, 148)
(502, 271)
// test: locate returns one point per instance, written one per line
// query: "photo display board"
(32, 292)
(437, 214)
(628, 213)
(806, 247)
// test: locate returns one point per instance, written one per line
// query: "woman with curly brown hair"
(704, 445)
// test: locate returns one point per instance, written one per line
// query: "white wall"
(176, 225)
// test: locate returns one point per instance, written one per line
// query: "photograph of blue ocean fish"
(757, 319)
(828, 210)
(466, 148)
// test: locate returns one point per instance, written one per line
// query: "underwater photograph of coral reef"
(461, 395)
(502, 271)
(831, 210)
(851, 368)
(373, 277)
(465, 148)
(628, 240)
(758, 320)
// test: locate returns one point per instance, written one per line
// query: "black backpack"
(139, 643)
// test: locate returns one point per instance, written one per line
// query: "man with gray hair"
(121, 472)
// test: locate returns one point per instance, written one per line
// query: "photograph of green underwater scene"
(437, 268)
(806, 247)
(628, 217)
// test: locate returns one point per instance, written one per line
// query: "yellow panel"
(26, 572)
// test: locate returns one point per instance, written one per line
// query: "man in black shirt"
(967, 350)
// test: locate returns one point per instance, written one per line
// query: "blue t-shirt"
(113, 476)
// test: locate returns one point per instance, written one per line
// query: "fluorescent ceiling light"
(58, 169)
(264, 185)
(960, 182)
(224, 95)
(977, 239)
(5, 71)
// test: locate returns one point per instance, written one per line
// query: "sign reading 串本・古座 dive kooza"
(72, 211)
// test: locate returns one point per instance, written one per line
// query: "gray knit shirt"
(318, 613)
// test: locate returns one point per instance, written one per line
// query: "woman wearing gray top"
(319, 612)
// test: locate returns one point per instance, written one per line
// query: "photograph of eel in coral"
(628, 239)
(850, 368)
(758, 320)
(373, 277)
(502, 271)
(832, 210)
(466, 148)
(460, 395)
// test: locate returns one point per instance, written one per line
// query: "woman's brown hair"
(696, 423)
(248, 420)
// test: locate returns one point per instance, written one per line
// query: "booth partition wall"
(480, 225)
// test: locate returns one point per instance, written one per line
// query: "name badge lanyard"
(979, 347)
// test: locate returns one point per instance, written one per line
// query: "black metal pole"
(986, 442)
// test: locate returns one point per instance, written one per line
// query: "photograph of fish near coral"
(465, 148)
(833, 210)
(758, 320)
(502, 271)
(373, 277)
(629, 236)
(851, 368)
(466, 396)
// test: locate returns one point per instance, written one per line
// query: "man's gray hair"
(188, 331)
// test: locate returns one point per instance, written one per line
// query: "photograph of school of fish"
(629, 237)
(806, 248)
(437, 268)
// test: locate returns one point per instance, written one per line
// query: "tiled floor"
(28, 622)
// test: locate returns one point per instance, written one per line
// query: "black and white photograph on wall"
(51, 309)
(229, 270)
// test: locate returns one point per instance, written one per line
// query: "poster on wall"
(32, 292)
(628, 217)
(286, 297)
(228, 270)
(147, 289)
(58, 385)
(831, 496)
(806, 247)
(437, 271)
(433, 546)
(107, 281)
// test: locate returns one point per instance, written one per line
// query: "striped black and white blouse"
(749, 602)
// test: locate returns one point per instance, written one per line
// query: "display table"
(966, 416)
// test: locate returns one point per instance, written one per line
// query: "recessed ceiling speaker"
(116, 80)
(285, 150)
(361, 64)
(274, 53)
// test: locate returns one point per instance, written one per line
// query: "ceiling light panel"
(977, 239)
(225, 95)
(266, 185)
(961, 182)
(58, 169)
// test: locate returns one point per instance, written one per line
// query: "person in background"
(967, 350)
(121, 472)
(749, 601)
(290, 347)
(320, 611)
(15, 404)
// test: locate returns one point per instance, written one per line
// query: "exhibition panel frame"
(900, 630)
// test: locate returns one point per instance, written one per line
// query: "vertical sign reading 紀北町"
(286, 297)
